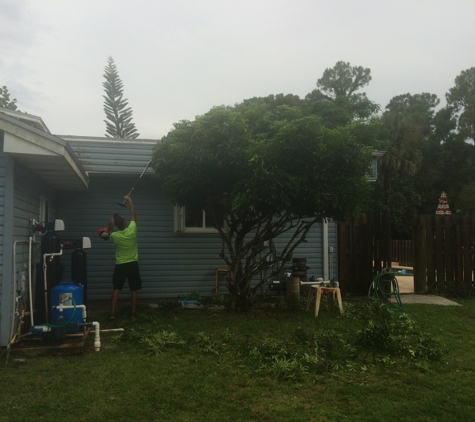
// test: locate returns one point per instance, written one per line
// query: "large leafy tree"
(119, 117)
(266, 168)
(336, 100)
(343, 80)
(462, 99)
(5, 100)
(409, 124)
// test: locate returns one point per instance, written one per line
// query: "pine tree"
(5, 99)
(119, 123)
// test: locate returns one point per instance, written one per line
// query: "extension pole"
(135, 184)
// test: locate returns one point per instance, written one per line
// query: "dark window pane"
(193, 217)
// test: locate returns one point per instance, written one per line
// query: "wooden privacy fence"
(401, 252)
(443, 253)
(360, 252)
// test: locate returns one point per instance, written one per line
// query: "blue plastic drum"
(68, 294)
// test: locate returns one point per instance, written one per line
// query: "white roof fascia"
(20, 138)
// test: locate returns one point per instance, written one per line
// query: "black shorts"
(128, 271)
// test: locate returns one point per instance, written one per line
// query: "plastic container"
(68, 294)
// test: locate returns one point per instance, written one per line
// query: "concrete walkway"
(406, 290)
(409, 298)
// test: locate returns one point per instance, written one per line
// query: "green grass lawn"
(268, 365)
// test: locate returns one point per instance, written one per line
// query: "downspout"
(326, 273)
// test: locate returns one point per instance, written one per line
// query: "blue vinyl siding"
(2, 220)
(26, 189)
(171, 264)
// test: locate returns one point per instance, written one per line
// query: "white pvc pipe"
(310, 283)
(30, 290)
(45, 268)
(97, 337)
(83, 307)
(109, 329)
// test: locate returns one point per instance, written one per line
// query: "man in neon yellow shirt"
(126, 257)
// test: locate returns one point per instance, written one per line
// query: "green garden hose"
(378, 292)
(70, 319)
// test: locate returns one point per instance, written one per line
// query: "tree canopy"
(462, 99)
(343, 80)
(266, 167)
(336, 100)
(278, 164)
(119, 117)
(5, 100)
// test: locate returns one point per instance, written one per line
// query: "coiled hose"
(377, 291)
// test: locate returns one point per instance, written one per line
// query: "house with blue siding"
(81, 180)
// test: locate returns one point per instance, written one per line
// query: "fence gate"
(360, 252)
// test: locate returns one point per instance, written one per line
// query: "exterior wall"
(333, 242)
(28, 190)
(20, 198)
(6, 217)
(3, 181)
(171, 264)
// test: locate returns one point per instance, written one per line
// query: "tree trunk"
(239, 287)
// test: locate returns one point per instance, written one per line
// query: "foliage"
(343, 79)
(336, 101)
(206, 343)
(229, 386)
(155, 343)
(288, 368)
(462, 99)
(5, 100)
(466, 199)
(119, 117)
(394, 334)
(409, 124)
(428, 154)
(278, 172)
(339, 111)
(194, 295)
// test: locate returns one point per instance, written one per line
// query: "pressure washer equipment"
(122, 204)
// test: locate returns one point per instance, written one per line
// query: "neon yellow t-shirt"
(126, 244)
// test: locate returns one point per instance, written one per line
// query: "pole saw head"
(103, 233)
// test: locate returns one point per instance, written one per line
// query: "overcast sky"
(177, 59)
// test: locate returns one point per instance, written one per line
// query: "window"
(189, 220)
(372, 174)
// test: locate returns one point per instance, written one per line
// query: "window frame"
(180, 227)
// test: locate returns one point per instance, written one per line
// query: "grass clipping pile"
(369, 336)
